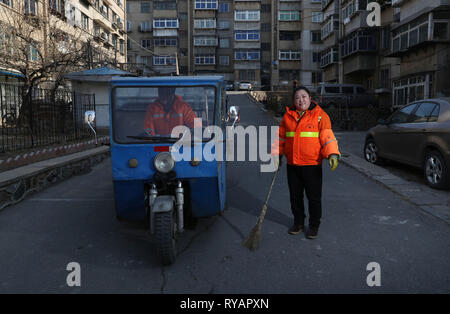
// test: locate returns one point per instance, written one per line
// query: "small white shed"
(96, 81)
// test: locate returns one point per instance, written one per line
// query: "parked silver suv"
(341, 95)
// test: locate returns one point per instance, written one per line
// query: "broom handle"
(264, 210)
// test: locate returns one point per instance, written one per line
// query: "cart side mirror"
(89, 118)
(233, 113)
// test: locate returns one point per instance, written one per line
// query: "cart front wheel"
(166, 231)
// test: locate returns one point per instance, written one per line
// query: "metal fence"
(43, 117)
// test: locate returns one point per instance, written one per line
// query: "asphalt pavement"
(363, 223)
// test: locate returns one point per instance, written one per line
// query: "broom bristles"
(252, 240)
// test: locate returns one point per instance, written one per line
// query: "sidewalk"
(17, 183)
(351, 144)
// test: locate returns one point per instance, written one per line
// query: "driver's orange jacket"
(305, 139)
(157, 121)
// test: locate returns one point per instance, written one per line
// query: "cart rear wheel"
(165, 231)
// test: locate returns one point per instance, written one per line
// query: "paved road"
(74, 221)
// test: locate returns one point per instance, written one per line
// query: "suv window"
(331, 90)
(347, 90)
(423, 112)
(403, 115)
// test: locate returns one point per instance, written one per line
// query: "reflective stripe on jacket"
(157, 121)
(305, 139)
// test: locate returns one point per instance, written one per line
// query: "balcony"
(413, 36)
(165, 33)
(359, 64)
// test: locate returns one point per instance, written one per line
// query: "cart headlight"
(164, 162)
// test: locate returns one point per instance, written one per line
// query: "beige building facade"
(99, 23)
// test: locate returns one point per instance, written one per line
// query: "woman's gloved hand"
(333, 160)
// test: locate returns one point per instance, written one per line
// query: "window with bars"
(165, 23)
(224, 60)
(247, 15)
(205, 41)
(165, 42)
(205, 59)
(146, 43)
(289, 55)
(164, 60)
(246, 35)
(204, 23)
(289, 16)
(251, 55)
(206, 4)
(317, 17)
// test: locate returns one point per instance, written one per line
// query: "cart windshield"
(149, 114)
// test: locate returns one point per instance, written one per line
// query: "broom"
(252, 241)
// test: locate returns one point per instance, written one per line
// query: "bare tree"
(40, 46)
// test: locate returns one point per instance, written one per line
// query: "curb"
(409, 191)
(17, 183)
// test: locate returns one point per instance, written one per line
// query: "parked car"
(245, 86)
(229, 85)
(418, 134)
(336, 95)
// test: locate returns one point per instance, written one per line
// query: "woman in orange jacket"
(305, 138)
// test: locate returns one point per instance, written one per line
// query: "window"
(440, 31)
(403, 115)
(289, 55)
(359, 41)
(145, 7)
(32, 53)
(145, 26)
(164, 5)
(316, 57)
(289, 35)
(384, 78)
(327, 29)
(423, 112)
(147, 60)
(206, 4)
(247, 55)
(205, 41)
(246, 15)
(146, 43)
(128, 7)
(7, 2)
(246, 35)
(332, 90)
(164, 60)
(266, 27)
(163, 42)
(316, 37)
(84, 21)
(205, 59)
(266, 8)
(128, 44)
(224, 60)
(247, 75)
(165, 23)
(128, 26)
(328, 57)
(224, 24)
(204, 23)
(317, 17)
(289, 15)
(224, 7)
(30, 7)
(224, 43)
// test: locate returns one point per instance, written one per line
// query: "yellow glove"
(333, 161)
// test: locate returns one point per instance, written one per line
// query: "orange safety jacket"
(305, 139)
(157, 121)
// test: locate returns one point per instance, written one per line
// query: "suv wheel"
(435, 170)
(371, 152)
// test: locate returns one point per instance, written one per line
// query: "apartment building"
(245, 40)
(99, 23)
(329, 34)
(421, 41)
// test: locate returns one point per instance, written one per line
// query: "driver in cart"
(166, 112)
